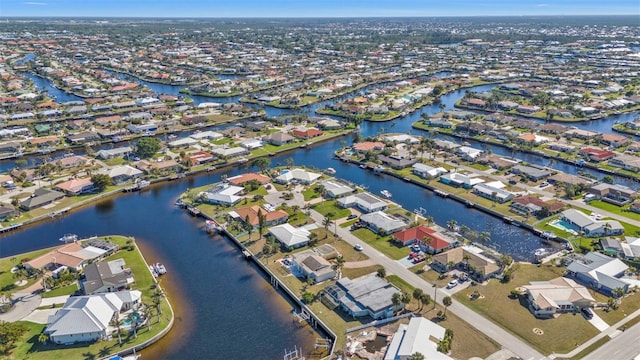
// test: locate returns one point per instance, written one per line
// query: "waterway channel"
(227, 309)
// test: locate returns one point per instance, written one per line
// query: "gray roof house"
(416, 337)
(278, 138)
(103, 277)
(382, 223)
(599, 272)
(310, 264)
(530, 172)
(492, 193)
(366, 202)
(289, 236)
(336, 189)
(366, 295)
(589, 226)
(223, 194)
(41, 197)
(106, 154)
(87, 318)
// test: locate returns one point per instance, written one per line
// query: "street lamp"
(435, 295)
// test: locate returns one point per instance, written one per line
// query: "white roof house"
(424, 170)
(230, 152)
(211, 135)
(182, 142)
(402, 138)
(494, 193)
(364, 201)
(87, 318)
(224, 194)
(599, 271)
(382, 223)
(468, 152)
(416, 337)
(335, 189)
(297, 175)
(111, 153)
(290, 236)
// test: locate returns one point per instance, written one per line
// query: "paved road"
(490, 329)
(25, 303)
(624, 346)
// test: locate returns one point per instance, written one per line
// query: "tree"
(308, 298)
(452, 224)
(484, 237)
(326, 222)
(289, 162)
(608, 179)
(101, 181)
(117, 323)
(425, 299)
(405, 298)
(446, 301)
(396, 299)
(247, 226)
(9, 334)
(43, 338)
(618, 292)
(417, 356)
(382, 272)
(262, 163)
(262, 218)
(146, 147)
(417, 294)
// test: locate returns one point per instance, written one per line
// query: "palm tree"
(425, 299)
(417, 294)
(134, 324)
(429, 220)
(466, 258)
(484, 237)
(43, 338)
(396, 299)
(262, 218)
(117, 323)
(326, 222)
(417, 356)
(452, 224)
(446, 301)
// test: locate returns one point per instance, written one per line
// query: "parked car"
(452, 284)
(358, 247)
(587, 312)
(352, 216)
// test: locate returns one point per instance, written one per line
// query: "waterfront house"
(426, 171)
(311, 265)
(561, 147)
(83, 137)
(252, 215)
(597, 155)
(222, 194)
(460, 180)
(614, 140)
(416, 337)
(198, 158)
(252, 144)
(438, 122)
(497, 162)
(206, 135)
(612, 247)
(278, 138)
(530, 172)
(164, 166)
(529, 205)
(627, 162)
(556, 296)
(39, 198)
(74, 256)
(183, 142)
(468, 153)
(334, 189)
(402, 138)
(396, 162)
(76, 186)
(568, 179)
(72, 161)
(472, 128)
(307, 133)
(363, 147)
(612, 193)
(103, 277)
(591, 227)
(382, 223)
(121, 174)
(8, 212)
(468, 258)
(107, 154)
(428, 239)
(88, 318)
(599, 272)
(297, 176)
(241, 179)
(445, 145)
(44, 141)
(493, 191)
(365, 202)
(143, 128)
(290, 237)
(368, 295)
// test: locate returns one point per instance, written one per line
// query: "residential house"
(40, 197)
(311, 265)
(382, 223)
(335, 189)
(83, 137)
(365, 202)
(561, 147)
(556, 296)
(278, 138)
(363, 147)
(102, 277)
(198, 158)
(427, 172)
(531, 173)
(307, 133)
(122, 174)
(416, 337)
(497, 162)
(428, 239)
(368, 295)
(580, 134)
(589, 226)
(599, 272)
(397, 162)
(468, 258)
(529, 205)
(493, 191)
(613, 193)
(222, 194)
(107, 154)
(597, 155)
(297, 176)
(74, 256)
(8, 212)
(241, 179)
(438, 122)
(253, 213)
(614, 140)
(164, 166)
(76, 186)
(460, 180)
(627, 162)
(402, 138)
(468, 153)
(88, 318)
(568, 179)
(289, 236)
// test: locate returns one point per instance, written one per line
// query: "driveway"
(54, 300)
(24, 305)
(598, 322)
(40, 316)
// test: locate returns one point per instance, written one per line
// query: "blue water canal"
(226, 308)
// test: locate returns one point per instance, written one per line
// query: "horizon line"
(306, 17)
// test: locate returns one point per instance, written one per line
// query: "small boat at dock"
(68, 238)
(441, 193)
(330, 171)
(386, 193)
(160, 269)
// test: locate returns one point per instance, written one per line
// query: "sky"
(317, 8)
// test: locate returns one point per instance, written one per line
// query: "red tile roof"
(422, 233)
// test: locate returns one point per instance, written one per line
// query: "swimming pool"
(564, 226)
(127, 321)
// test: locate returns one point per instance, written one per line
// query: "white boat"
(153, 271)
(160, 269)
(67, 238)
(541, 252)
(330, 171)
(386, 193)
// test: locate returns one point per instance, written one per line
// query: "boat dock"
(441, 193)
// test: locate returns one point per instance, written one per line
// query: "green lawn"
(614, 209)
(513, 314)
(7, 278)
(382, 243)
(309, 193)
(64, 290)
(330, 207)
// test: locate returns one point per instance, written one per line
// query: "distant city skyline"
(302, 8)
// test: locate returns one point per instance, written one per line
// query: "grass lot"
(309, 194)
(628, 305)
(330, 207)
(382, 243)
(7, 279)
(467, 341)
(32, 349)
(64, 290)
(513, 314)
(614, 209)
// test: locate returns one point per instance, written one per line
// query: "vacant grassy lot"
(513, 314)
(382, 243)
(331, 209)
(7, 278)
(628, 305)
